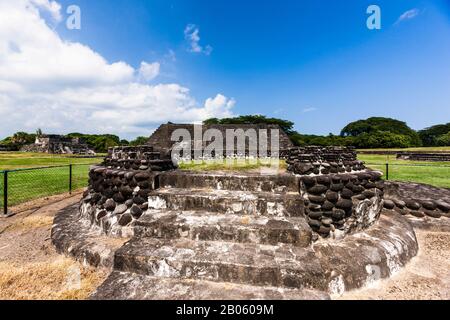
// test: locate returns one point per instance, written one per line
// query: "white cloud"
(309, 109)
(149, 71)
(192, 35)
(64, 86)
(171, 55)
(219, 104)
(408, 15)
(52, 7)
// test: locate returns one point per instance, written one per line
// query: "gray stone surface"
(365, 257)
(179, 267)
(75, 237)
(206, 226)
(220, 261)
(419, 200)
(130, 286)
(230, 181)
(358, 260)
(228, 201)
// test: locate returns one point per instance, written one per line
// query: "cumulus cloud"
(218, 104)
(408, 15)
(53, 7)
(149, 71)
(192, 35)
(63, 86)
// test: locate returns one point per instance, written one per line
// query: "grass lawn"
(25, 184)
(433, 173)
(227, 165)
(20, 160)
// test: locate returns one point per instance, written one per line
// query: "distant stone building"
(7, 148)
(161, 139)
(58, 144)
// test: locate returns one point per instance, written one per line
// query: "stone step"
(228, 202)
(249, 263)
(247, 182)
(131, 286)
(206, 226)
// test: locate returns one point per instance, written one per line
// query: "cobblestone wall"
(322, 160)
(339, 195)
(338, 204)
(119, 188)
(418, 200)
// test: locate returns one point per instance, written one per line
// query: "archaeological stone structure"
(57, 144)
(424, 156)
(162, 138)
(324, 226)
(7, 148)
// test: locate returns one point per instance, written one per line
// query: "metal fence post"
(70, 178)
(5, 192)
(387, 171)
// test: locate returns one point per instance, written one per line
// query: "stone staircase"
(223, 229)
(231, 236)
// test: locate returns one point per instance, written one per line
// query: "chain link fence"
(22, 185)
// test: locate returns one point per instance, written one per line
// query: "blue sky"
(313, 62)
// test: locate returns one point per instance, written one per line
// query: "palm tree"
(39, 132)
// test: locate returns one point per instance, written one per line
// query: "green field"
(52, 178)
(227, 165)
(20, 160)
(25, 185)
(433, 173)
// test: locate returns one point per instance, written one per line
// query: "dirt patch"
(25, 209)
(30, 267)
(426, 277)
(56, 279)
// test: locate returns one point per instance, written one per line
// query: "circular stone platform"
(268, 272)
(314, 231)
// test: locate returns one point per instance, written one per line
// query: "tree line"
(98, 142)
(375, 132)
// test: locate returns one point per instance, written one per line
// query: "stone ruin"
(424, 156)
(57, 144)
(161, 139)
(315, 230)
(7, 148)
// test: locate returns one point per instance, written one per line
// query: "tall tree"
(432, 136)
(286, 125)
(375, 127)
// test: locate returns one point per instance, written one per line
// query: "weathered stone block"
(389, 204)
(125, 219)
(109, 205)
